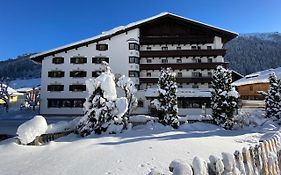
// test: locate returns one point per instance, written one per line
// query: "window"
(78, 74)
(99, 60)
(209, 47)
(134, 60)
(58, 60)
(148, 74)
(179, 60)
(78, 60)
(196, 60)
(140, 103)
(193, 47)
(133, 73)
(102, 47)
(165, 48)
(96, 73)
(164, 60)
(148, 60)
(196, 74)
(55, 87)
(210, 74)
(251, 88)
(199, 47)
(195, 86)
(178, 48)
(210, 60)
(134, 46)
(56, 74)
(66, 103)
(148, 48)
(77, 87)
(179, 74)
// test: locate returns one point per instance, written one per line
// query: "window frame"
(99, 47)
(52, 74)
(77, 60)
(72, 74)
(100, 59)
(55, 61)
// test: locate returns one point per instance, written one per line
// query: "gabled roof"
(258, 77)
(121, 29)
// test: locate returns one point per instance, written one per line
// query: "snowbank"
(28, 131)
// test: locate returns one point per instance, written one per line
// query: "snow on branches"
(224, 99)
(273, 98)
(4, 93)
(166, 104)
(102, 108)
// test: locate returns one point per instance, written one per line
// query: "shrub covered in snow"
(130, 90)
(224, 99)
(166, 104)
(273, 98)
(179, 167)
(28, 131)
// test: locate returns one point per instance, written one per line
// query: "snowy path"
(134, 152)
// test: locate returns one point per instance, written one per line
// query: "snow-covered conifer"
(130, 90)
(102, 107)
(273, 98)
(4, 93)
(166, 104)
(224, 99)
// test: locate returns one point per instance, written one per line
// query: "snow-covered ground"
(145, 147)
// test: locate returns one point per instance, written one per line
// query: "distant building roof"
(258, 77)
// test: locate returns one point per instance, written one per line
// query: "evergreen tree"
(4, 93)
(224, 99)
(273, 98)
(166, 104)
(102, 107)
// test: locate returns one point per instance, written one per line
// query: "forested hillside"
(21, 67)
(254, 52)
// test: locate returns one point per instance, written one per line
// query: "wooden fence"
(261, 159)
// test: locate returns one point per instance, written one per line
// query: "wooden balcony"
(148, 40)
(185, 66)
(182, 53)
(180, 80)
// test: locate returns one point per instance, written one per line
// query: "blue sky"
(35, 25)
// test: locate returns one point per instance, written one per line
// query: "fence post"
(253, 160)
(264, 159)
(239, 162)
(247, 161)
(258, 161)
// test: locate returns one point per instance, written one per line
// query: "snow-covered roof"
(182, 92)
(258, 77)
(12, 91)
(121, 29)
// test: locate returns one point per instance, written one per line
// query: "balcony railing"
(182, 53)
(180, 80)
(212, 65)
(147, 40)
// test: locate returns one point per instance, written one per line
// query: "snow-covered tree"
(224, 99)
(103, 110)
(273, 98)
(130, 90)
(166, 103)
(4, 93)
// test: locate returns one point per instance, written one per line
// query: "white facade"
(119, 53)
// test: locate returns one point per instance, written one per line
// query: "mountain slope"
(20, 68)
(254, 52)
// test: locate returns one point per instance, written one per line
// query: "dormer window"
(58, 60)
(78, 60)
(102, 47)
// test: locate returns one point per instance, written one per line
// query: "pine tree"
(273, 98)
(224, 99)
(4, 93)
(166, 104)
(102, 107)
